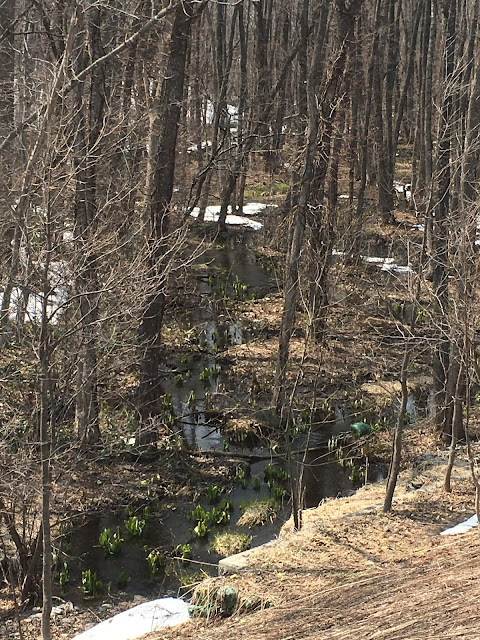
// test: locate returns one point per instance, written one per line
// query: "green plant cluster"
(349, 451)
(111, 542)
(276, 478)
(184, 552)
(237, 291)
(63, 576)
(241, 475)
(123, 579)
(91, 585)
(213, 493)
(168, 414)
(135, 526)
(208, 374)
(157, 561)
(204, 519)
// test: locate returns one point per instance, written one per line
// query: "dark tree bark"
(394, 469)
(321, 118)
(364, 146)
(303, 65)
(165, 115)
(240, 162)
(440, 237)
(89, 104)
(383, 86)
(45, 433)
(464, 257)
(7, 124)
(426, 108)
(242, 106)
(7, 15)
(273, 153)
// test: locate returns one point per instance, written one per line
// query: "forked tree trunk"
(318, 145)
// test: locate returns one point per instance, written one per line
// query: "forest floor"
(355, 572)
(352, 571)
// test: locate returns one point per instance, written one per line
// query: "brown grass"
(229, 543)
(259, 512)
(354, 572)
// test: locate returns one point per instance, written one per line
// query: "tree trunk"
(164, 120)
(277, 123)
(442, 210)
(89, 110)
(240, 162)
(302, 99)
(397, 443)
(316, 144)
(364, 148)
(45, 443)
(242, 105)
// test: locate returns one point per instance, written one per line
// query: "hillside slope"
(363, 575)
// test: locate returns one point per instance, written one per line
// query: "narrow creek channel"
(198, 388)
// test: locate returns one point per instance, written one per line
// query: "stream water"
(199, 387)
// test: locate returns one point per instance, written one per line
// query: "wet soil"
(352, 374)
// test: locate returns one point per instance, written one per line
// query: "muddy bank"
(319, 576)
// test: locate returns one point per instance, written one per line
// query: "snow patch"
(404, 189)
(32, 310)
(136, 622)
(463, 527)
(205, 144)
(250, 209)
(378, 260)
(253, 208)
(385, 264)
(391, 267)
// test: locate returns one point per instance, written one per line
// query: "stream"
(200, 391)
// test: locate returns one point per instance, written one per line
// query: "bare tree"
(165, 111)
(322, 111)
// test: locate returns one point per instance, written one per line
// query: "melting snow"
(194, 148)
(463, 527)
(33, 309)
(376, 260)
(136, 622)
(404, 189)
(385, 264)
(250, 209)
(396, 268)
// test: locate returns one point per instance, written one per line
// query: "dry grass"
(224, 596)
(354, 572)
(228, 544)
(259, 512)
